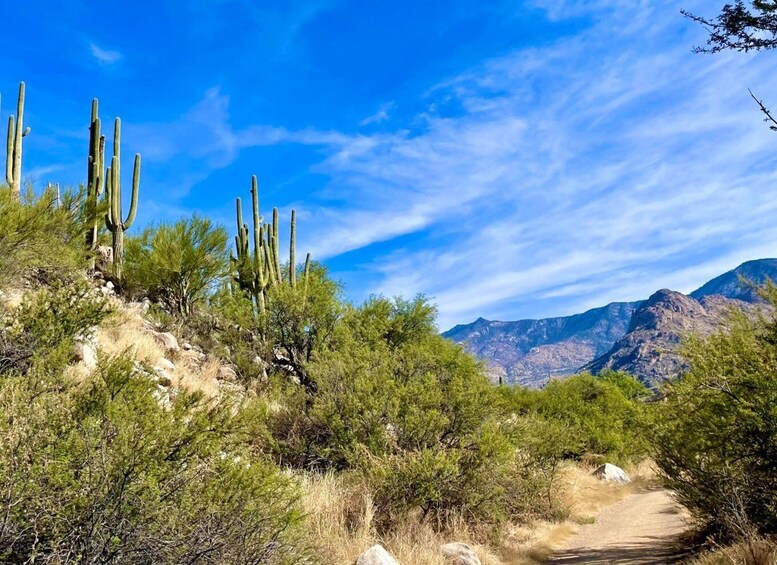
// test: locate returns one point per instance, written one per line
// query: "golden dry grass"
(753, 552)
(127, 331)
(339, 524)
(340, 521)
(583, 496)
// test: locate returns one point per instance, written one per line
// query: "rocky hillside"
(529, 352)
(638, 337)
(649, 349)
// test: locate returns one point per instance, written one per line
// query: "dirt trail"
(639, 530)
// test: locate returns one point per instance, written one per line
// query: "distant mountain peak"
(638, 337)
(731, 285)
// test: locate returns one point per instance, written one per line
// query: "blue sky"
(510, 159)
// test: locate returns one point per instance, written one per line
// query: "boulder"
(162, 377)
(376, 555)
(167, 340)
(226, 373)
(84, 350)
(612, 473)
(104, 258)
(166, 364)
(460, 554)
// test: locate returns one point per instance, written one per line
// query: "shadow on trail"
(650, 552)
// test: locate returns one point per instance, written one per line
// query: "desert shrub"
(414, 413)
(44, 328)
(176, 264)
(102, 472)
(605, 415)
(39, 237)
(298, 323)
(716, 442)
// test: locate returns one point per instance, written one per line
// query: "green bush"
(716, 442)
(606, 415)
(176, 264)
(44, 328)
(299, 323)
(40, 238)
(101, 472)
(414, 413)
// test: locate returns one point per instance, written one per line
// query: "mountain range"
(640, 337)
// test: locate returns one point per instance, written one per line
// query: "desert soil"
(644, 528)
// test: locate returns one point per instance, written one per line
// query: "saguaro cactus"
(95, 179)
(113, 219)
(16, 132)
(256, 272)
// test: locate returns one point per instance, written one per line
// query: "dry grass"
(340, 527)
(340, 521)
(753, 552)
(127, 331)
(583, 496)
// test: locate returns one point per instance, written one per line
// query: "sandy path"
(639, 530)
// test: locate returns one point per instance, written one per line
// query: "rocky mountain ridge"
(640, 337)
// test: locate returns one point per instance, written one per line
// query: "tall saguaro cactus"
(16, 131)
(113, 218)
(95, 179)
(256, 272)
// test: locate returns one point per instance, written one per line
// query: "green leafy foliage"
(177, 264)
(43, 329)
(605, 415)
(39, 238)
(101, 471)
(414, 413)
(717, 439)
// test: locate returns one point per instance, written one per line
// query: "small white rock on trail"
(642, 529)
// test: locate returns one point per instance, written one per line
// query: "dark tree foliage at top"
(740, 28)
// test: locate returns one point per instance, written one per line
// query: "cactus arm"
(239, 214)
(9, 152)
(275, 244)
(17, 156)
(115, 194)
(101, 165)
(134, 197)
(257, 219)
(292, 243)
(109, 222)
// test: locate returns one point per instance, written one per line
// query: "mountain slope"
(730, 284)
(529, 352)
(638, 337)
(650, 348)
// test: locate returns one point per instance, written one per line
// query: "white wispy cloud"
(382, 115)
(612, 156)
(104, 56)
(551, 179)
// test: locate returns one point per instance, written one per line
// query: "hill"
(639, 337)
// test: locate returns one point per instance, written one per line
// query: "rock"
(612, 473)
(186, 346)
(376, 555)
(163, 397)
(163, 378)
(104, 258)
(166, 365)
(460, 554)
(84, 350)
(226, 374)
(167, 340)
(109, 285)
